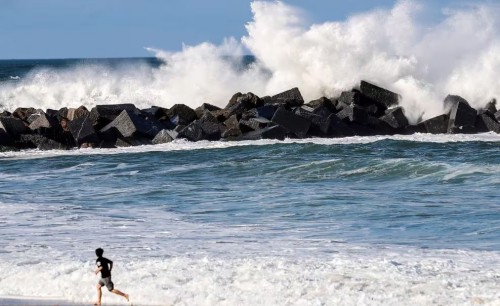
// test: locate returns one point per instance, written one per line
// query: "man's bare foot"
(98, 303)
(126, 296)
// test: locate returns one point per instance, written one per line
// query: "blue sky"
(122, 28)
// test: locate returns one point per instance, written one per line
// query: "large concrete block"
(320, 104)
(491, 106)
(357, 98)
(41, 142)
(165, 136)
(395, 118)
(266, 111)
(379, 94)
(23, 113)
(83, 130)
(104, 114)
(212, 129)
(462, 115)
(128, 124)
(74, 113)
(181, 114)
(232, 122)
(253, 124)
(273, 132)
(437, 125)
(486, 122)
(319, 124)
(353, 113)
(43, 121)
(15, 127)
(5, 139)
(192, 132)
(291, 122)
(155, 113)
(337, 128)
(243, 104)
(205, 107)
(290, 98)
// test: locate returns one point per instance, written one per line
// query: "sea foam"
(375, 277)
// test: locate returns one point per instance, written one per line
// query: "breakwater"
(367, 110)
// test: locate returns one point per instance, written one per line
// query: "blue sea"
(396, 220)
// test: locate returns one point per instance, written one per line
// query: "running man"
(105, 266)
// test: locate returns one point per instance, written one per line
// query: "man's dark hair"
(99, 252)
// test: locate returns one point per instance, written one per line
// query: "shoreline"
(49, 301)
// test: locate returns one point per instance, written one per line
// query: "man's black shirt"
(104, 263)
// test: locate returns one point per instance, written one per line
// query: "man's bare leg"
(116, 291)
(99, 294)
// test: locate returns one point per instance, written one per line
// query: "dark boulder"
(491, 106)
(243, 104)
(40, 142)
(43, 121)
(337, 128)
(15, 127)
(319, 124)
(181, 114)
(273, 132)
(462, 115)
(83, 130)
(34, 116)
(132, 142)
(101, 115)
(75, 113)
(23, 113)
(155, 113)
(192, 132)
(321, 104)
(436, 125)
(232, 122)
(379, 127)
(266, 111)
(289, 98)
(353, 114)
(205, 107)
(486, 122)
(165, 136)
(61, 113)
(205, 128)
(358, 99)
(233, 100)
(5, 138)
(253, 124)
(380, 95)
(297, 125)
(395, 118)
(53, 113)
(129, 124)
(212, 129)
(231, 133)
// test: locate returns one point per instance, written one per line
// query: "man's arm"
(110, 265)
(98, 270)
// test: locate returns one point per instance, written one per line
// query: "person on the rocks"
(105, 266)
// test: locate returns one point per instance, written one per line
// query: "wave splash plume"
(397, 48)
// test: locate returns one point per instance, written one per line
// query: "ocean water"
(400, 220)
(395, 220)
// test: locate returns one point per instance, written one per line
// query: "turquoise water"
(396, 214)
(397, 192)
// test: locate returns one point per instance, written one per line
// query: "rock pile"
(369, 110)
